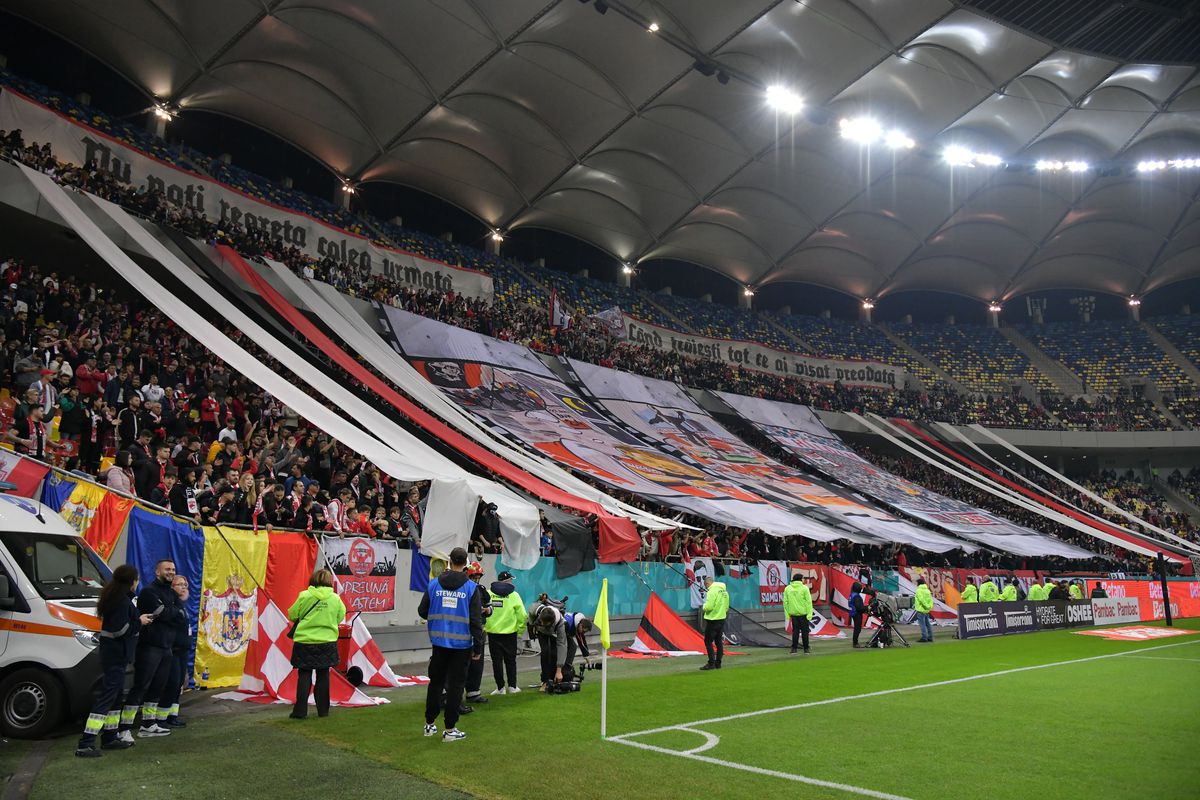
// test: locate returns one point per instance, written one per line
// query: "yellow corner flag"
(601, 617)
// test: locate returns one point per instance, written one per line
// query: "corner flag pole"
(601, 618)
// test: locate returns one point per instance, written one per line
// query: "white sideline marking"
(897, 690)
(761, 771)
(1161, 658)
(712, 740)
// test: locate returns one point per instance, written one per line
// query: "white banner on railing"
(79, 144)
(766, 359)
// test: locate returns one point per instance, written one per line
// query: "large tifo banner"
(514, 392)
(662, 413)
(797, 430)
(80, 144)
(765, 359)
(365, 570)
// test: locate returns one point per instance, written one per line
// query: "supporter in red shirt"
(358, 522)
(89, 379)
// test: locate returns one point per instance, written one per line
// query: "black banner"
(1002, 618)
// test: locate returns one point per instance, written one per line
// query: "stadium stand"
(978, 357)
(1103, 352)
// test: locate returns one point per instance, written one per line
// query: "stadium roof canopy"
(659, 143)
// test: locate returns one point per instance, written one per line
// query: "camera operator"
(858, 608)
(547, 625)
(797, 604)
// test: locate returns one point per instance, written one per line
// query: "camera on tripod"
(885, 608)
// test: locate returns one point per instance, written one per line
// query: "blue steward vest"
(450, 615)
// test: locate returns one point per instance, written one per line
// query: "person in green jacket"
(503, 627)
(797, 604)
(1035, 591)
(1010, 591)
(923, 605)
(716, 608)
(317, 613)
(970, 594)
(1075, 591)
(988, 593)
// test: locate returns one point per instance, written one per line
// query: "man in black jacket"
(456, 639)
(152, 663)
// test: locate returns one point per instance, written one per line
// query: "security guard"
(1010, 591)
(1075, 591)
(797, 604)
(988, 593)
(451, 606)
(969, 593)
(716, 608)
(1035, 591)
(923, 605)
(503, 627)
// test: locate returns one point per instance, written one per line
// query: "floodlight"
(653, 27)
(784, 99)
(958, 156)
(497, 236)
(1078, 166)
(988, 159)
(863, 130)
(899, 140)
(748, 292)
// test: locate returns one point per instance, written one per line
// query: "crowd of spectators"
(153, 416)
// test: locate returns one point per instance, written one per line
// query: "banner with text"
(799, 431)
(1185, 596)
(766, 359)
(366, 572)
(80, 144)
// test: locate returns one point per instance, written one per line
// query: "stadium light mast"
(994, 309)
(867, 310)
(746, 298)
(1135, 308)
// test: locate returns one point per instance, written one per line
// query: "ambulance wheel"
(31, 703)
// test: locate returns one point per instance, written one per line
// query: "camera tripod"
(884, 636)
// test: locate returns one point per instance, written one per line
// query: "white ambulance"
(49, 581)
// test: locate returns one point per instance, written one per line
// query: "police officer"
(1010, 591)
(716, 608)
(970, 594)
(502, 628)
(475, 670)
(451, 606)
(1036, 592)
(797, 604)
(988, 593)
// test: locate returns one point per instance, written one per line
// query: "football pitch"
(1009, 717)
(1031, 715)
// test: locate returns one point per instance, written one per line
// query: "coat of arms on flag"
(227, 619)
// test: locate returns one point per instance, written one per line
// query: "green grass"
(1110, 728)
(1115, 727)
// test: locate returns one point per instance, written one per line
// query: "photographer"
(797, 604)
